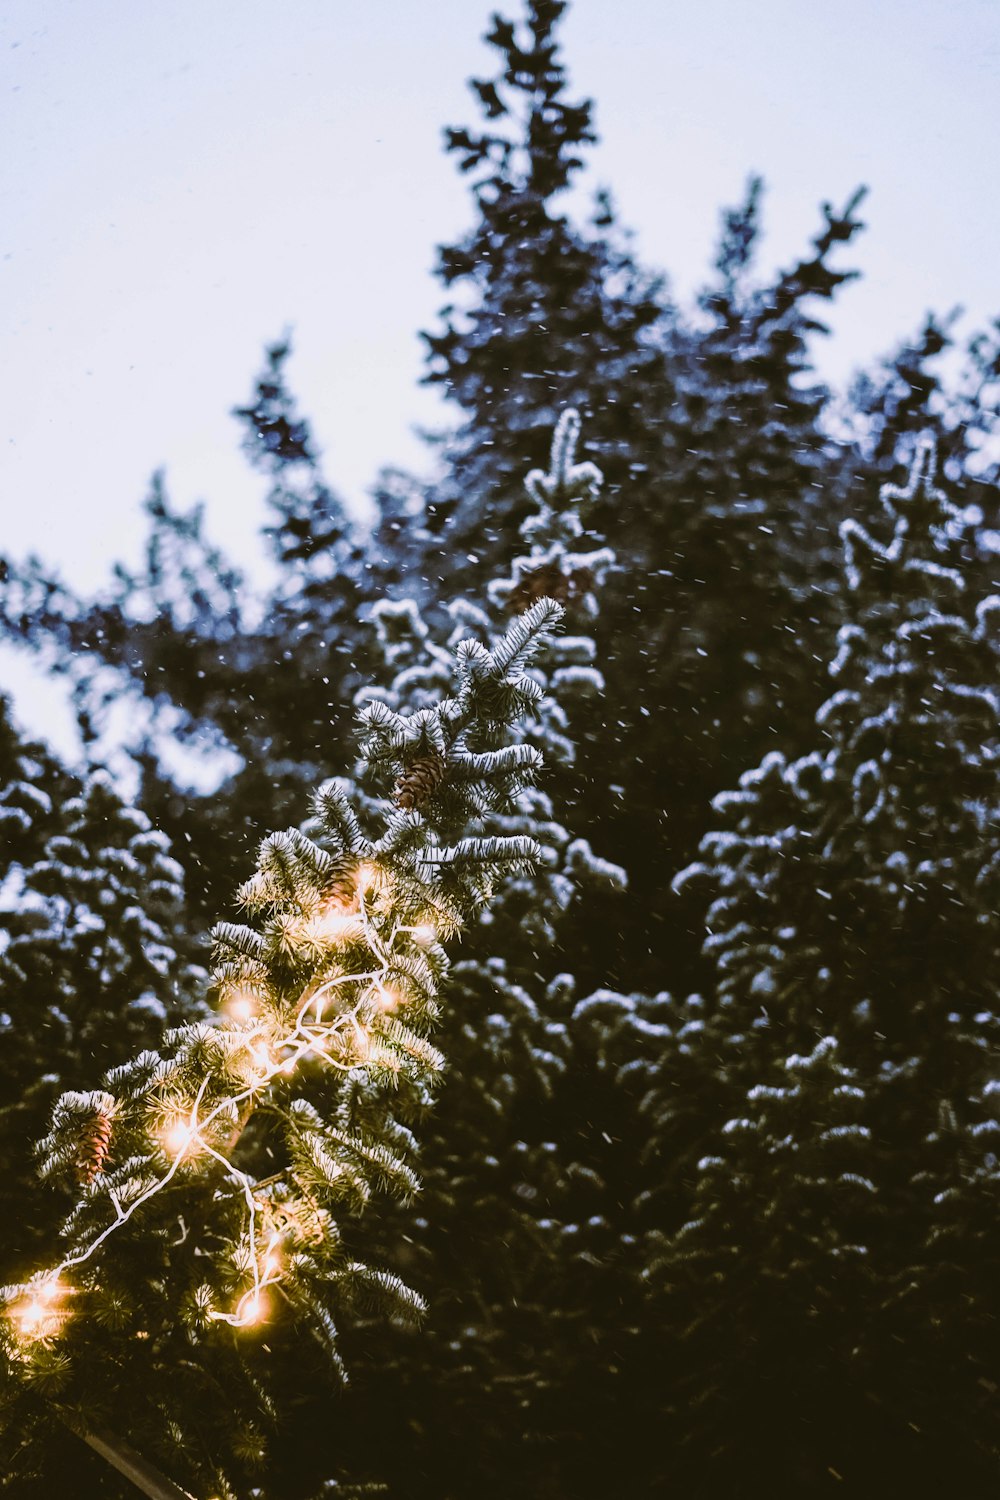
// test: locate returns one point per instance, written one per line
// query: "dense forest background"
(710, 1186)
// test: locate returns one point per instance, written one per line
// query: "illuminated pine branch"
(216, 1178)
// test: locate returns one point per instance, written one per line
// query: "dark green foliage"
(33, 786)
(844, 1069)
(499, 1162)
(185, 638)
(223, 1170)
(739, 1242)
(545, 315)
(707, 427)
(89, 965)
(311, 536)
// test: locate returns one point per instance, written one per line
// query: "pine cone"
(92, 1148)
(341, 890)
(419, 781)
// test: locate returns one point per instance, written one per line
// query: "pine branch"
(328, 988)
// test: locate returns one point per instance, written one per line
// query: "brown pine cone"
(92, 1149)
(419, 781)
(342, 890)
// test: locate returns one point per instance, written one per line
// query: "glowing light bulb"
(369, 876)
(242, 1006)
(252, 1309)
(37, 1315)
(178, 1136)
(387, 997)
(333, 923)
(261, 1054)
(31, 1317)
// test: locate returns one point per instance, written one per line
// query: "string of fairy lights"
(42, 1310)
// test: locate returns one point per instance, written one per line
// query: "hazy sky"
(183, 179)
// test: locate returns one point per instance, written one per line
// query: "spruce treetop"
(311, 528)
(539, 304)
(868, 851)
(533, 134)
(559, 561)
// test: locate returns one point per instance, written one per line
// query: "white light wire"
(306, 1041)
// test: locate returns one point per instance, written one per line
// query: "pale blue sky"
(182, 179)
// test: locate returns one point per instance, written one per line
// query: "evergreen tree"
(544, 315)
(311, 537)
(815, 1234)
(586, 1137)
(726, 562)
(89, 967)
(185, 637)
(731, 578)
(489, 1384)
(159, 629)
(32, 786)
(708, 421)
(222, 1172)
(910, 393)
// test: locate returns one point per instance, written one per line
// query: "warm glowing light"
(178, 1136)
(252, 1309)
(387, 997)
(261, 1054)
(340, 1040)
(242, 1006)
(37, 1315)
(50, 1290)
(30, 1316)
(334, 923)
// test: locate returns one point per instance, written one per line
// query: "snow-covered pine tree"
(232, 1160)
(912, 391)
(89, 965)
(156, 627)
(32, 787)
(709, 421)
(311, 536)
(542, 314)
(185, 637)
(936, 385)
(508, 1157)
(172, 639)
(822, 1256)
(729, 563)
